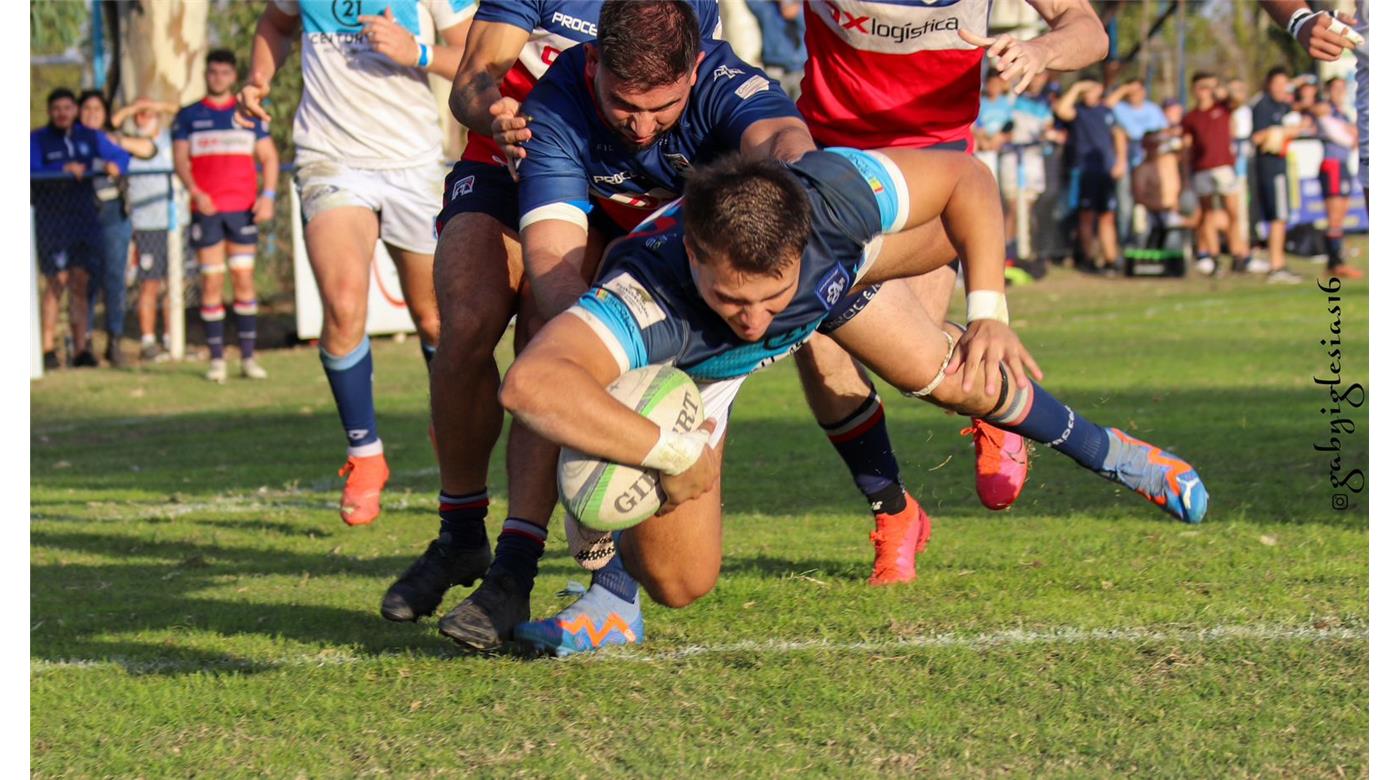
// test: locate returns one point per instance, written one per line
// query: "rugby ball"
(608, 496)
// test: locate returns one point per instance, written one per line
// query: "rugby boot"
(1159, 476)
(898, 538)
(419, 590)
(365, 479)
(1003, 459)
(600, 618)
(484, 621)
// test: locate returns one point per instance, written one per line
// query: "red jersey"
(1211, 143)
(892, 72)
(221, 152)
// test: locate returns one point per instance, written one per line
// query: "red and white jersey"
(892, 72)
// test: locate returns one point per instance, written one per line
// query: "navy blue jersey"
(574, 155)
(555, 26)
(646, 306)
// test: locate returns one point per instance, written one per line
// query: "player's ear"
(695, 71)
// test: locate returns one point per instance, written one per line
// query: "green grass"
(198, 608)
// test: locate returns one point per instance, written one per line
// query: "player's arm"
(180, 150)
(266, 153)
(387, 36)
(553, 250)
(490, 49)
(272, 42)
(1323, 34)
(1076, 40)
(558, 387)
(782, 138)
(1064, 105)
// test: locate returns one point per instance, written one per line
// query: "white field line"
(1011, 638)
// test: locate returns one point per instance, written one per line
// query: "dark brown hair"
(751, 210)
(648, 45)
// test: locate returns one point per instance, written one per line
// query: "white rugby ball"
(608, 496)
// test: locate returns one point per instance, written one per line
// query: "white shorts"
(406, 199)
(718, 399)
(1030, 176)
(1221, 180)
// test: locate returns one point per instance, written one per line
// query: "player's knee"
(680, 589)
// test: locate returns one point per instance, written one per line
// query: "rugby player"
(214, 159)
(894, 73)
(481, 281)
(740, 274)
(368, 154)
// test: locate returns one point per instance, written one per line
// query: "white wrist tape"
(987, 305)
(1295, 22)
(676, 452)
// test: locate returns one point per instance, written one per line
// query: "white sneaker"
(1283, 276)
(1205, 266)
(252, 370)
(1257, 265)
(218, 371)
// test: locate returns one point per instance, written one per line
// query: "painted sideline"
(1010, 638)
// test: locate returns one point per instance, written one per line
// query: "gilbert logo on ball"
(608, 496)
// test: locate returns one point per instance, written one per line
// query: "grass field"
(199, 609)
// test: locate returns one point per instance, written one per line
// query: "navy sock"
(463, 518)
(614, 576)
(352, 384)
(213, 317)
(428, 350)
(1035, 414)
(518, 551)
(245, 320)
(863, 443)
(1334, 249)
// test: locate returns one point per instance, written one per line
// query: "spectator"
(784, 53)
(149, 194)
(1157, 186)
(1137, 115)
(114, 227)
(992, 131)
(1022, 165)
(214, 158)
(1339, 138)
(1338, 97)
(1270, 140)
(1213, 176)
(1098, 157)
(65, 219)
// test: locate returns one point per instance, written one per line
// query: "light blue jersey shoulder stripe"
(886, 184)
(615, 324)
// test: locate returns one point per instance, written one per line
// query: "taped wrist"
(675, 452)
(987, 305)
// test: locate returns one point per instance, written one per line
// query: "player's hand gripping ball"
(609, 496)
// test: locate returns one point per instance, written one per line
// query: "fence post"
(36, 349)
(175, 273)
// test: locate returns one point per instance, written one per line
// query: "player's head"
(93, 111)
(1203, 85)
(220, 72)
(643, 66)
(1276, 83)
(63, 108)
(746, 225)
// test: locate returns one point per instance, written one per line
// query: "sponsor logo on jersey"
(833, 286)
(853, 24)
(727, 72)
(574, 23)
(219, 142)
(753, 86)
(636, 298)
(201, 123)
(464, 186)
(612, 178)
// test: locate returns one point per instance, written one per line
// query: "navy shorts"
(1096, 191)
(483, 188)
(1335, 178)
(235, 227)
(59, 252)
(152, 248)
(1271, 185)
